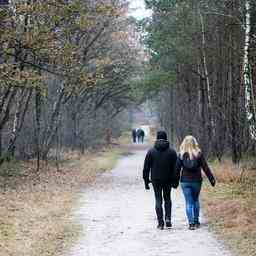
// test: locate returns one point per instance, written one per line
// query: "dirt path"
(119, 219)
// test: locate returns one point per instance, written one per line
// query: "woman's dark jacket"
(160, 163)
(186, 175)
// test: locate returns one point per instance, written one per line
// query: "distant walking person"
(189, 165)
(138, 132)
(134, 135)
(140, 135)
(160, 166)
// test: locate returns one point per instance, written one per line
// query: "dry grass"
(231, 206)
(35, 207)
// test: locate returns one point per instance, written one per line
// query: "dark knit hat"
(161, 135)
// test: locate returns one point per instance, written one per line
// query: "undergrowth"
(231, 206)
(36, 207)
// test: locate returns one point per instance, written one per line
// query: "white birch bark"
(249, 97)
(206, 73)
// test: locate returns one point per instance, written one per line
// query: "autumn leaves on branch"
(60, 50)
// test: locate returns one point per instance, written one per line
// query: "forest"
(203, 65)
(73, 76)
(64, 75)
(69, 68)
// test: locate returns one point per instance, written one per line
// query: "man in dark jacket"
(160, 165)
(134, 135)
(140, 135)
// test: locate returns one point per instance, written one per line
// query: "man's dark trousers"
(162, 191)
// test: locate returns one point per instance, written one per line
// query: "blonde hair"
(190, 145)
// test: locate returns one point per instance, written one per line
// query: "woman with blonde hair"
(189, 165)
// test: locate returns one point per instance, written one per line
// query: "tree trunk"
(38, 127)
(211, 124)
(19, 117)
(53, 126)
(247, 78)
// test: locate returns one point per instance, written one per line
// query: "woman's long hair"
(190, 145)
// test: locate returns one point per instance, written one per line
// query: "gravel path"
(119, 219)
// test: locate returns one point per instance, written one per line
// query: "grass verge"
(231, 206)
(35, 209)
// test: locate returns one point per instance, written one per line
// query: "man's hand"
(147, 186)
(175, 184)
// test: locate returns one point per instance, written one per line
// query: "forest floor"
(96, 213)
(231, 206)
(35, 208)
(118, 218)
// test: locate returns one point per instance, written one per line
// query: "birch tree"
(247, 74)
(52, 52)
(210, 50)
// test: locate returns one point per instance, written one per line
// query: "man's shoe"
(197, 224)
(161, 227)
(191, 227)
(168, 224)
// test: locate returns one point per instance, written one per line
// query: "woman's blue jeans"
(191, 191)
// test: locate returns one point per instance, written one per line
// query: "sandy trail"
(118, 218)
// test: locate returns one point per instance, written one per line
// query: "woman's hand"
(213, 182)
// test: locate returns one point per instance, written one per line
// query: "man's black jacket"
(160, 163)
